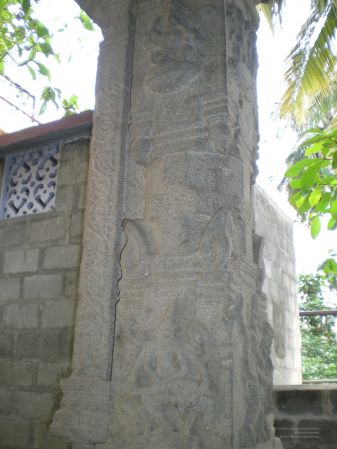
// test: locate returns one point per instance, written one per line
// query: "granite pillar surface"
(172, 344)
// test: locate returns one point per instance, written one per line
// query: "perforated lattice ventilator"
(29, 184)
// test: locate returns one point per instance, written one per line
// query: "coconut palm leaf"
(323, 110)
(271, 10)
(310, 74)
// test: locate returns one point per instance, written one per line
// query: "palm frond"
(271, 10)
(311, 64)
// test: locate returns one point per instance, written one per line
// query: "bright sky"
(277, 141)
(79, 51)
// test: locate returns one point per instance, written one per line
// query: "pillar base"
(84, 414)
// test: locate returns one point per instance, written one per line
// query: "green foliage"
(27, 43)
(312, 180)
(24, 40)
(86, 21)
(310, 75)
(70, 106)
(319, 339)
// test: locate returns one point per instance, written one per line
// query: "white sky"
(276, 141)
(79, 51)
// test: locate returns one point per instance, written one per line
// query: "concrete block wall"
(306, 416)
(39, 265)
(280, 286)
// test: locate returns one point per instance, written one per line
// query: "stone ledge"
(306, 387)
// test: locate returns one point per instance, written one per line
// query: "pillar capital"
(102, 11)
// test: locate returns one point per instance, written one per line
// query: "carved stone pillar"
(84, 414)
(169, 237)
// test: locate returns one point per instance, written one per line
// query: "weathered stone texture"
(190, 318)
(39, 263)
(169, 238)
(280, 287)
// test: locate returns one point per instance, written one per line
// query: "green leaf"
(41, 30)
(315, 196)
(334, 160)
(323, 203)
(32, 72)
(329, 266)
(304, 207)
(313, 149)
(329, 181)
(26, 6)
(315, 226)
(309, 175)
(295, 183)
(333, 208)
(300, 201)
(294, 198)
(332, 224)
(296, 168)
(43, 69)
(86, 21)
(46, 49)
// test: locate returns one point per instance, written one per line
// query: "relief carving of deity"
(177, 46)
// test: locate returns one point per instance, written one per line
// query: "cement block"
(325, 431)
(79, 197)
(285, 428)
(14, 433)
(21, 261)
(33, 405)
(13, 235)
(45, 345)
(62, 257)
(64, 199)
(67, 338)
(49, 348)
(76, 225)
(76, 151)
(21, 315)
(71, 283)
(72, 172)
(5, 401)
(49, 374)
(296, 402)
(333, 399)
(26, 345)
(9, 288)
(15, 373)
(51, 229)
(44, 440)
(6, 344)
(58, 314)
(46, 286)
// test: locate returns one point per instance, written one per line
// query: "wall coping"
(66, 127)
(306, 387)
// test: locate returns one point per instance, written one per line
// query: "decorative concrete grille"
(29, 184)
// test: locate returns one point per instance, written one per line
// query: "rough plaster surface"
(280, 287)
(38, 296)
(172, 341)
